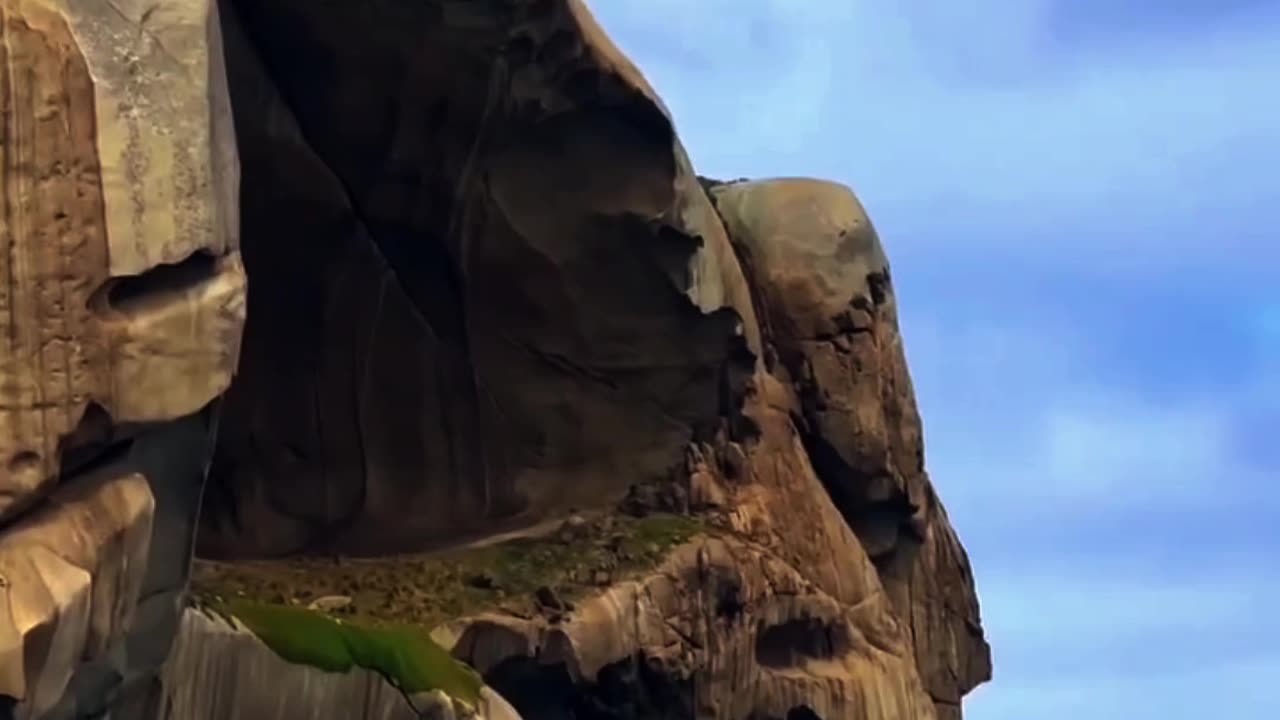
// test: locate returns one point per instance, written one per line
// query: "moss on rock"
(404, 654)
(426, 590)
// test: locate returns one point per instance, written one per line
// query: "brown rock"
(758, 638)
(573, 528)
(488, 289)
(705, 491)
(121, 304)
(124, 290)
(472, 307)
(823, 281)
(547, 598)
(732, 460)
(71, 571)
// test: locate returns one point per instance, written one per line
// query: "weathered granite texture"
(488, 292)
(121, 305)
(827, 306)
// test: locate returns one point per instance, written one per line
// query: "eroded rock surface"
(487, 285)
(70, 576)
(121, 306)
(488, 292)
(218, 670)
(779, 612)
(830, 322)
(723, 629)
(124, 295)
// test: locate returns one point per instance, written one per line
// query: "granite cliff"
(412, 320)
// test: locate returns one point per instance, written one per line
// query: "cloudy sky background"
(1080, 201)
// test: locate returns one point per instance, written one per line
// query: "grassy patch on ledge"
(405, 655)
(426, 590)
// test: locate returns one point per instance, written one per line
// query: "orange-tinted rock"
(829, 317)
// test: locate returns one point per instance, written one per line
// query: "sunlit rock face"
(123, 293)
(484, 291)
(73, 571)
(121, 307)
(827, 305)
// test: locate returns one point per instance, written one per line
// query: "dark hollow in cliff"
(468, 306)
(629, 689)
(798, 641)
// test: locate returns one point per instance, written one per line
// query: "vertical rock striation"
(121, 303)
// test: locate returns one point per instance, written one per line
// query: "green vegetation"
(405, 655)
(427, 589)
(396, 601)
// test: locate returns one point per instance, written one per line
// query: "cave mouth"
(795, 642)
(466, 310)
(634, 688)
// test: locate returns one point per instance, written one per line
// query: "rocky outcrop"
(488, 293)
(831, 332)
(124, 290)
(72, 572)
(722, 629)
(488, 287)
(121, 305)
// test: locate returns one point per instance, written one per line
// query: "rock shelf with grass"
(522, 575)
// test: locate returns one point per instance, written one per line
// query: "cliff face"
(488, 293)
(827, 305)
(483, 299)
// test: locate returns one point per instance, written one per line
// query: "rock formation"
(123, 300)
(237, 672)
(487, 292)
(491, 287)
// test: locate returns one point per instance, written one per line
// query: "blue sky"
(1080, 200)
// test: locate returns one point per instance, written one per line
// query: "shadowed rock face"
(487, 289)
(486, 285)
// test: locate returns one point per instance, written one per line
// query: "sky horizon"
(1076, 197)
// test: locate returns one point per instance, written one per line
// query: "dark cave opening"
(795, 642)
(634, 688)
